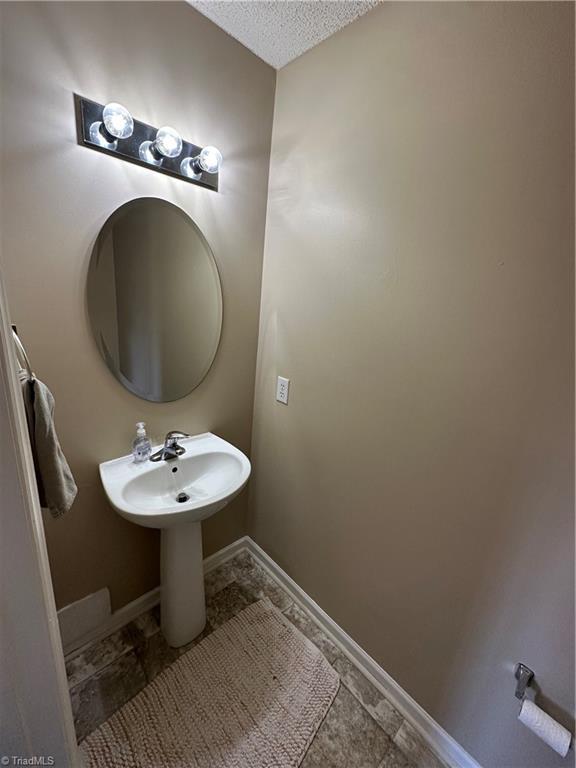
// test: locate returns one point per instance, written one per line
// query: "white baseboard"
(431, 733)
(227, 553)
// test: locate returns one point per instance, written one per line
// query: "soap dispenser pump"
(141, 447)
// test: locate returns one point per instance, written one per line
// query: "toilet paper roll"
(554, 734)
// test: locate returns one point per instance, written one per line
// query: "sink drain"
(182, 497)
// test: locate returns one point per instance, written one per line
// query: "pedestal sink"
(175, 496)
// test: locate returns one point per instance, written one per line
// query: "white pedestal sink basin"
(205, 478)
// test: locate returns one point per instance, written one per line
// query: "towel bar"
(22, 353)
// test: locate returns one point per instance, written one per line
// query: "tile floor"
(361, 730)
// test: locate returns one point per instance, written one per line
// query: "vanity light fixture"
(111, 129)
(209, 160)
(168, 143)
(116, 123)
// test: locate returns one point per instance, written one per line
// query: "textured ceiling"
(280, 30)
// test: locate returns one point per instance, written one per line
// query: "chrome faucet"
(171, 449)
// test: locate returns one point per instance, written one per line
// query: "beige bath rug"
(250, 695)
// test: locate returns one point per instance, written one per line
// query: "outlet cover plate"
(282, 387)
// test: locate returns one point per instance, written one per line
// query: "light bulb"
(210, 159)
(166, 144)
(117, 123)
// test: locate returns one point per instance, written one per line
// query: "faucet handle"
(174, 434)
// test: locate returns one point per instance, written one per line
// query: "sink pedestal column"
(182, 583)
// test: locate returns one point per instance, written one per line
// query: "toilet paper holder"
(524, 675)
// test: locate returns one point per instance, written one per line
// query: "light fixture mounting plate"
(89, 112)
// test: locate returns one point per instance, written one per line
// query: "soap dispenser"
(141, 447)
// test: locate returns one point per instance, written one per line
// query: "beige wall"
(168, 65)
(417, 291)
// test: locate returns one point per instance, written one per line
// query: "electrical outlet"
(282, 387)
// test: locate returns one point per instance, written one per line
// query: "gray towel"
(56, 486)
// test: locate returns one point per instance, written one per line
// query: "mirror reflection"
(154, 299)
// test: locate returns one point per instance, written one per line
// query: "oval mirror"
(154, 299)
